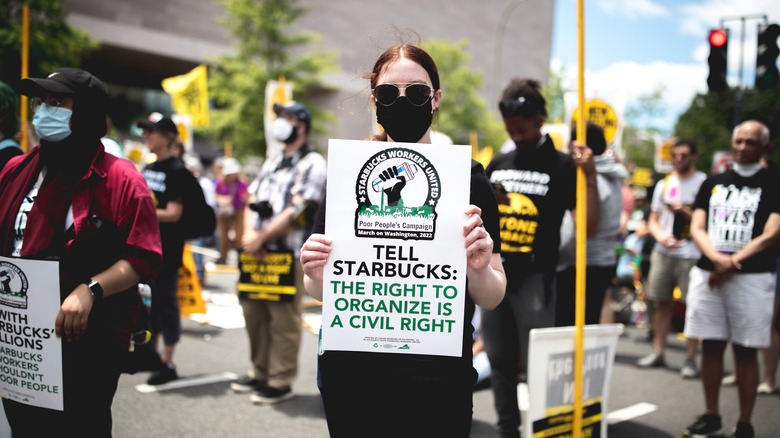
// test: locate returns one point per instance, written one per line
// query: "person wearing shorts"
(674, 253)
(736, 225)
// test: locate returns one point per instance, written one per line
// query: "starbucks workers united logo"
(397, 192)
(13, 286)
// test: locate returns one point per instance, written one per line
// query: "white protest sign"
(395, 281)
(551, 380)
(30, 353)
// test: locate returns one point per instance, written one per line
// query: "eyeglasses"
(517, 107)
(52, 104)
(416, 94)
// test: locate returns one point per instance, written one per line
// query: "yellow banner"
(189, 94)
(190, 299)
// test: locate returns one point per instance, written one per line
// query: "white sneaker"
(764, 388)
(689, 370)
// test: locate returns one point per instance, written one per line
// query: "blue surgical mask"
(52, 126)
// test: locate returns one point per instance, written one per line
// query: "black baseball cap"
(66, 81)
(158, 122)
(296, 109)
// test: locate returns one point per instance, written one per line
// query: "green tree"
(553, 92)
(463, 110)
(264, 51)
(53, 42)
(639, 139)
(710, 120)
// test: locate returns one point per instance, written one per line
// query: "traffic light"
(719, 44)
(767, 75)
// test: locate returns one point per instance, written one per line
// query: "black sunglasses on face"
(417, 94)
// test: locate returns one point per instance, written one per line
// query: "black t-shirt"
(8, 150)
(481, 195)
(737, 209)
(166, 180)
(541, 185)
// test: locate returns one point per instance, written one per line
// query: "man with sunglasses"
(535, 185)
(67, 200)
(674, 253)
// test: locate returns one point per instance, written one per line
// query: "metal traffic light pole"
(742, 19)
(740, 89)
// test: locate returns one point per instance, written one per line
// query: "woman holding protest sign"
(382, 394)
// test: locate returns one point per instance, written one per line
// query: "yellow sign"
(642, 177)
(189, 94)
(663, 155)
(665, 151)
(275, 92)
(600, 113)
(190, 299)
(272, 279)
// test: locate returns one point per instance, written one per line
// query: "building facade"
(144, 41)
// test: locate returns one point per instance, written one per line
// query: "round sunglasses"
(417, 94)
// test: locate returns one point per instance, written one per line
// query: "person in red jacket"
(67, 200)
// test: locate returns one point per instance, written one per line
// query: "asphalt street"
(214, 349)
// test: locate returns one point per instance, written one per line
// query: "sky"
(633, 47)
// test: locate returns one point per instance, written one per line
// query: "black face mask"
(403, 121)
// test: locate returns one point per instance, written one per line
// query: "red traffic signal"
(718, 60)
(718, 38)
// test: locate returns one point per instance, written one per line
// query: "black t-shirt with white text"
(166, 180)
(541, 185)
(737, 210)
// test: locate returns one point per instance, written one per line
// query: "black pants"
(90, 377)
(597, 280)
(384, 396)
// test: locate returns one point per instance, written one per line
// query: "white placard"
(30, 353)
(551, 380)
(395, 281)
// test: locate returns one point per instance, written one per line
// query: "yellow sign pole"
(25, 61)
(579, 285)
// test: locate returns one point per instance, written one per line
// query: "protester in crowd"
(166, 179)
(535, 184)
(288, 185)
(736, 225)
(433, 393)
(9, 124)
(637, 223)
(675, 252)
(110, 242)
(601, 260)
(231, 194)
